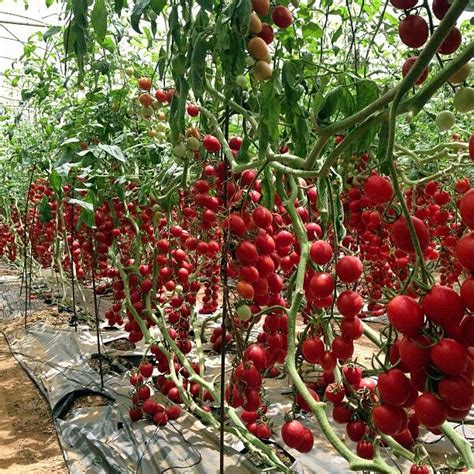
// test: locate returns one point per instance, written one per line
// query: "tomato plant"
(264, 178)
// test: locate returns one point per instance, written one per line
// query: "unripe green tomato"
(244, 312)
(241, 81)
(156, 105)
(464, 99)
(161, 127)
(180, 150)
(193, 143)
(147, 112)
(161, 137)
(178, 289)
(249, 61)
(129, 71)
(445, 120)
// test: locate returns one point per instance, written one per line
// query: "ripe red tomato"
(465, 251)
(349, 303)
(335, 393)
(443, 306)
(193, 110)
(452, 42)
(456, 392)
(266, 33)
(419, 469)
(378, 189)
(449, 356)
(405, 315)
(308, 442)
(413, 31)
(365, 449)
(430, 411)
(313, 350)
(302, 402)
(440, 8)
(408, 64)
(401, 235)
(262, 217)
(349, 269)
(414, 352)
(321, 285)
(356, 430)
(466, 208)
(352, 328)
(388, 419)
(292, 433)
(342, 413)
(394, 387)
(282, 17)
(342, 348)
(321, 252)
(211, 144)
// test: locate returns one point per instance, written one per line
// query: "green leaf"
(323, 199)
(55, 181)
(99, 19)
(338, 100)
(178, 108)
(51, 32)
(241, 11)
(118, 6)
(206, 4)
(289, 76)
(45, 214)
(270, 104)
(198, 65)
(83, 204)
(382, 149)
(114, 151)
(137, 13)
(157, 5)
(366, 92)
(243, 155)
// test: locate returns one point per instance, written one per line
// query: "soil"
(28, 442)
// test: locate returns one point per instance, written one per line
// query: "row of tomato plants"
(290, 275)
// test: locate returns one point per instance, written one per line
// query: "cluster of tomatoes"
(414, 32)
(263, 34)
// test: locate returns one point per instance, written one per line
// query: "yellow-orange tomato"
(244, 290)
(258, 48)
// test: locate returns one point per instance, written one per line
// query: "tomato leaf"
(112, 150)
(323, 199)
(206, 4)
(157, 5)
(366, 92)
(270, 105)
(137, 13)
(51, 32)
(99, 19)
(338, 100)
(243, 155)
(45, 214)
(198, 65)
(55, 181)
(118, 6)
(178, 108)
